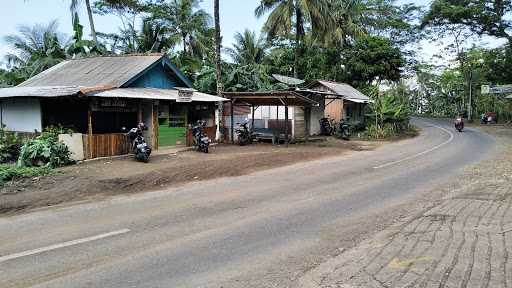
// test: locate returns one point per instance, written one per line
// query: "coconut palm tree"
(348, 16)
(185, 20)
(248, 48)
(35, 49)
(294, 15)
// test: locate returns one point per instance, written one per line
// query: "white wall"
(75, 145)
(271, 112)
(21, 114)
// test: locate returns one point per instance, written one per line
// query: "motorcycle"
(326, 127)
(344, 129)
(459, 123)
(243, 133)
(140, 148)
(202, 142)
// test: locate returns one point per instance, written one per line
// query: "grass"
(10, 172)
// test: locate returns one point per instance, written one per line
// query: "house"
(342, 101)
(98, 96)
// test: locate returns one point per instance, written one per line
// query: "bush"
(46, 150)
(10, 172)
(10, 145)
(389, 130)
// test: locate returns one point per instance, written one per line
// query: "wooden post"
(252, 123)
(232, 120)
(89, 131)
(139, 112)
(307, 116)
(286, 124)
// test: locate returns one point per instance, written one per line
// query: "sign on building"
(185, 95)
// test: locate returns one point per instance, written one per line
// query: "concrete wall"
(75, 145)
(21, 114)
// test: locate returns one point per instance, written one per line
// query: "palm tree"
(348, 16)
(184, 20)
(36, 49)
(74, 7)
(248, 48)
(288, 15)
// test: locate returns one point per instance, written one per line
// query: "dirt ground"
(461, 239)
(103, 178)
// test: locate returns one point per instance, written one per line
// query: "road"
(259, 230)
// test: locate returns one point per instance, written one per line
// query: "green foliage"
(80, 47)
(10, 145)
(388, 130)
(46, 150)
(481, 16)
(373, 58)
(389, 108)
(10, 172)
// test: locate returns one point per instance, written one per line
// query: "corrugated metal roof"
(95, 71)
(55, 91)
(153, 93)
(345, 90)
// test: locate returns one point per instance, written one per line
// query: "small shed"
(285, 99)
(341, 100)
(98, 96)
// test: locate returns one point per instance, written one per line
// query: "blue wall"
(158, 77)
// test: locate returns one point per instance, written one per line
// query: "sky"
(236, 16)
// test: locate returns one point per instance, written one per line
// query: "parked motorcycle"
(344, 128)
(459, 123)
(140, 148)
(326, 128)
(202, 142)
(243, 134)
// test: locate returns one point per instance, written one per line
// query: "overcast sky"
(236, 15)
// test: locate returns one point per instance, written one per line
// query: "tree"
(35, 49)
(184, 20)
(372, 58)
(218, 68)
(74, 8)
(296, 15)
(247, 49)
(482, 17)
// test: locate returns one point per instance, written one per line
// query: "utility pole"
(470, 107)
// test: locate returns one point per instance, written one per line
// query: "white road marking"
(62, 245)
(421, 153)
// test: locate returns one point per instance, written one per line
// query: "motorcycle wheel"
(205, 149)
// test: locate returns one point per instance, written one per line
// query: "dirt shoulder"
(458, 235)
(103, 178)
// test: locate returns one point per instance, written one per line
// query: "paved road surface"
(245, 231)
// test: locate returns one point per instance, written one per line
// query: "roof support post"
(232, 120)
(252, 120)
(286, 136)
(89, 131)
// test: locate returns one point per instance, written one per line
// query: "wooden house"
(98, 96)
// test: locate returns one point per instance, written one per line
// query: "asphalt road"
(232, 232)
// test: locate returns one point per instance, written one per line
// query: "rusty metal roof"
(270, 98)
(342, 89)
(106, 71)
(54, 91)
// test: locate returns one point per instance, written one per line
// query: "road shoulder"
(458, 236)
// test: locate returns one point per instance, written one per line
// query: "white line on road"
(421, 153)
(62, 245)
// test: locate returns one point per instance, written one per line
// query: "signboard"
(113, 105)
(184, 95)
(496, 89)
